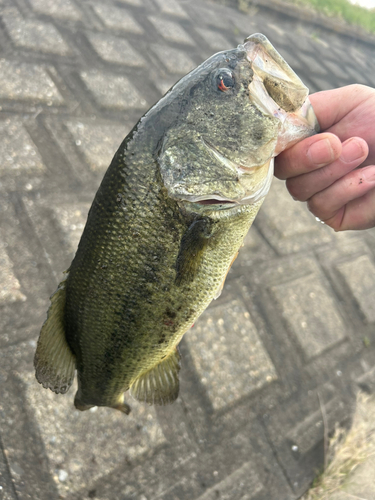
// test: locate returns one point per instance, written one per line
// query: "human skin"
(322, 170)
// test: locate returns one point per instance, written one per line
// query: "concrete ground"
(292, 336)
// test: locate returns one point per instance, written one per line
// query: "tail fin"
(54, 361)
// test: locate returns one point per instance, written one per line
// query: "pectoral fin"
(54, 361)
(160, 384)
(192, 248)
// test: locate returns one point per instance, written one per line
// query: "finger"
(327, 203)
(357, 214)
(307, 155)
(330, 106)
(303, 187)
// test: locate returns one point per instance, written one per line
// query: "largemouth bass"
(166, 224)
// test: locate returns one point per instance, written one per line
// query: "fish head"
(237, 111)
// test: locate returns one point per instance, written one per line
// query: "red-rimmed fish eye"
(224, 80)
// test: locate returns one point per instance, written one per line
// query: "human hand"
(322, 169)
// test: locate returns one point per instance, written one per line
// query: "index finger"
(331, 106)
(308, 155)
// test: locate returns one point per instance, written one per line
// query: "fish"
(166, 224)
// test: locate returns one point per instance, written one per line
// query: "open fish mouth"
(279, 92)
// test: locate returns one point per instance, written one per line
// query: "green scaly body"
(125, 310)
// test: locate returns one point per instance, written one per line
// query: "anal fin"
(54, 361)
(160, 384)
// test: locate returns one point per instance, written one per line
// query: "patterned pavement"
(270, 367)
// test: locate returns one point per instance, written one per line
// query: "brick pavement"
(294, 325)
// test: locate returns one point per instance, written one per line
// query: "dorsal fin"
(160, 384)
(54, 361)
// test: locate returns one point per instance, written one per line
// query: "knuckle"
(296, 189)
(293, 190)
(314, 205)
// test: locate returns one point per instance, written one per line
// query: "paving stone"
(72, 221)
(9, 284)
(300, 445)
(211, 16)
(243, 484)
(66, 434)
(164, 84)
(62, 9)
(359, 275)
(19, 154)
(97, 142)
(304, 436)
(287, 224)
(228, 354)
(276, 30)
(366, 381)
(171, 31)
(304, 43)
(115, 49)
(254, 249)
(319, 84)
(310, 311)
(214, 39)
(27, 82)
(338, 70)
(117, 18)
(171, 7)
(243, 23)
(112, 91)
(248, 423)
(174, 60)
(138, 3)
(35, 35)
(58, 224)
(314, 66)
(6, 487)
(111, 436)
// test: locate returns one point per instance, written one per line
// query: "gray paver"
(31, 34)
(6, 487)
(10, 286)
(63, 9)
(291, 335)
(112, 91)
(117, 18)
(175, 60)
(287, 224)
(243, 484)
(115, 49)
(22, 81)
(214, 39)
(359, 274)
(138, 3)
(171, 7)
(97, 142)
(18, 152)
(171, 31)
(311, 313)
(228, 354)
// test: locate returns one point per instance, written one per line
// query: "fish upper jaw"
(276, 90)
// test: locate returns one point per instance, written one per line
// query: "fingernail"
(368, 174)
(321, 153)
(351, 151)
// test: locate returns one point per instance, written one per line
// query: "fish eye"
(224, 80)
